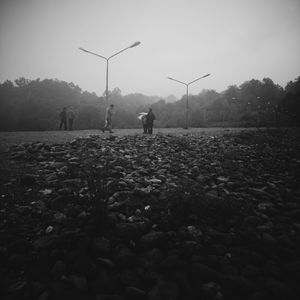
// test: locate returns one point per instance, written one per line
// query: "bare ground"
(10, 138)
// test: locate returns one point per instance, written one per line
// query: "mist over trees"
(36, 104)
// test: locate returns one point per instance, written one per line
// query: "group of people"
(67, 117)
(148, 121)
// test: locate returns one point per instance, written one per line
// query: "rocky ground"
(152, 217)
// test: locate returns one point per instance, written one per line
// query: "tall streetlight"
(107, 61)
(187, 96)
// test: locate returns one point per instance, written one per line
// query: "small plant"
(97, 170)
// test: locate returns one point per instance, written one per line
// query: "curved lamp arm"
(198, 79)
(93, 53)
(177, 81)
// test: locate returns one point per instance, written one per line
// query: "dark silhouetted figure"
(63, 118)
(108, 118)
(150, 117)
(144, 122)
(71, 117)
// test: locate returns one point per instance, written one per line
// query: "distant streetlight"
(107, 60)
(187, 96)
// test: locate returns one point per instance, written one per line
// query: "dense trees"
(290, 104)
(35, 105)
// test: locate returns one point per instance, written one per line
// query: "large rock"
(164, 291)
(292, 268)
(59, 268)
(237, 285)
(65, 290)
(133, 293)
(279, 290)
(200, 272)
(129, 278)
(101, 247)
(171, 263)
(125, 258)
(153, 239)
(28, 179)
(103, 283)
(132, 231)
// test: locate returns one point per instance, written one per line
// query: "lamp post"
(107, 62)
(187, 96)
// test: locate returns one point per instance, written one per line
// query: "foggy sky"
(235, 40)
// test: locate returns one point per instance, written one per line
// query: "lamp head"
(134, 44)
(82, 49)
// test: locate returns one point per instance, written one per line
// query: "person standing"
(144, 122)
(63, 118)
(150, 120)
(108, 118)
(71, 117)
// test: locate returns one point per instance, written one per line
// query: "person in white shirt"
(71, 117)
(108, 118)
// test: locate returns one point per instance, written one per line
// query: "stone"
(72, 182)
(250, 271)
(285, 240)
(102, 247)
(104, 262)
(44, 296)
(109, 297)
(49, 229)
(20, 155)
(103, 283)
(190, 248)
(128, 231)
(46, 242)
(80, 282)
(64, 290)
(252, 221)
(59, 268)
(150, 259)
(171, 263)
(125, 258)
(17, 287)
(59, 217)
(200, 272)
(237, 285)
(153, 239)
(292, 269)
(3, 253)
(133, 293)
(279, 290)
(129, 278)
(164, 291)
(271, 268)
(268, 239)
(259, 296)
(218, 249)
(28, 180)
(60, 202)
(212, 290)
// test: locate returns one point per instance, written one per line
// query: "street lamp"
(107, 61)
(187, 96)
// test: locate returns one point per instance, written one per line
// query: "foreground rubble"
(162, 217)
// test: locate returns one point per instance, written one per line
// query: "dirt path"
(10, 138)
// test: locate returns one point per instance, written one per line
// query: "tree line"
(35, 105)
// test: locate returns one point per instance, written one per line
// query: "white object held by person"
(141, 115)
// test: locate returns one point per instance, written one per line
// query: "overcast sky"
(234, 40)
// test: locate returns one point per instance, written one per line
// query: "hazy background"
(235, 40)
